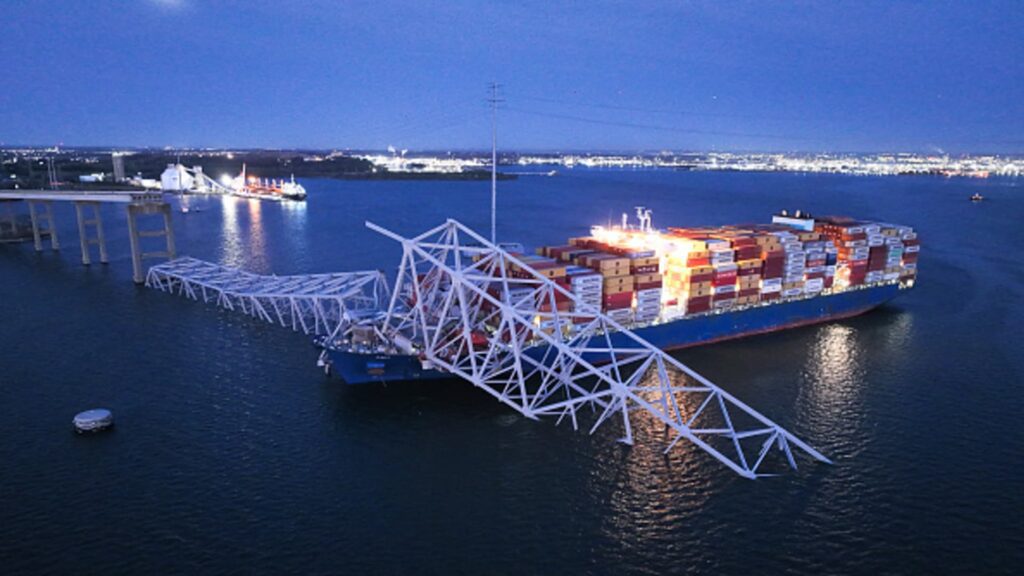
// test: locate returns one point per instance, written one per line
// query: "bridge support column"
(54, 241)
(135, 236)
(83, 231)
(83, 238)
(36, 236)
(101, 239)
(37, 233)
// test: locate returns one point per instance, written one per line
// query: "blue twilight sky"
(839, 76)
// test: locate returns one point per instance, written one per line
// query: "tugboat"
(976, 197)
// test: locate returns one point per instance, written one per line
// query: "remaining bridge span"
(90, 230)
(315, 304)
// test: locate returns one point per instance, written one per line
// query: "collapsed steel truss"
(315, 304)
(473, 310)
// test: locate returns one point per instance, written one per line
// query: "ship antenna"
(493, 100)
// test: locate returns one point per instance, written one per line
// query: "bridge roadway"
(40, 208)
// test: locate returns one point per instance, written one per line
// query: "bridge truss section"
(474, 310)
(315, 304)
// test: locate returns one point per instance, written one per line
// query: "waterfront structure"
(40, 206)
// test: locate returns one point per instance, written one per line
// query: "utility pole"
(494, 100)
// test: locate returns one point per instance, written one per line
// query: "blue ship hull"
(358, 368)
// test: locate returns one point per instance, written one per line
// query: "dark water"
(233, 454)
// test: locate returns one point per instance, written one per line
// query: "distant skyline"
(698, 76)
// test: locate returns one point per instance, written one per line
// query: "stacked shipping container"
(636, 276)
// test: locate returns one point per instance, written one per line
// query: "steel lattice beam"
(459, 305)
(321, 304)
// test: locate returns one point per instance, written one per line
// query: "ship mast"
(494, 100)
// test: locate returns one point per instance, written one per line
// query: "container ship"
(683, 287)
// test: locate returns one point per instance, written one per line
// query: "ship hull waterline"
(686, 332)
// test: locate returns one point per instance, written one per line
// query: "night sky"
(802, 76)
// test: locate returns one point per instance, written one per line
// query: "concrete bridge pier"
(37, 234)
(83, 231)
(135, 236)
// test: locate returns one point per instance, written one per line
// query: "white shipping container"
(771, 282)
(909, 236)
(771, 289)
(729, 289)
(891, 276)
(912, 249)
(792, 292)
(814, 269)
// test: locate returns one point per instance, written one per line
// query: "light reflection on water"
(232, 247)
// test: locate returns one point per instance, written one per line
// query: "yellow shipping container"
(618, 284)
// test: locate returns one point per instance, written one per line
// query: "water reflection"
(257, 247)
(298, 235)
(232, 253)
(835, 367)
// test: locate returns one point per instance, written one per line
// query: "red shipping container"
(695, 278)
(748, 253)
(692, 262)
(724, 297)
(749, 292)
(828, 281)
(876, 266)
(651, 269)
(748, 271)
(910, 258)
(620, 300)
(814, 275)
(698, 304)
(647, 285)
(724, 280)
(770, 296)
(698, 300)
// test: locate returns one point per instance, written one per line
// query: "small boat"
(977, 197)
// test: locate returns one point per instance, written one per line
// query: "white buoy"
(93, 420)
